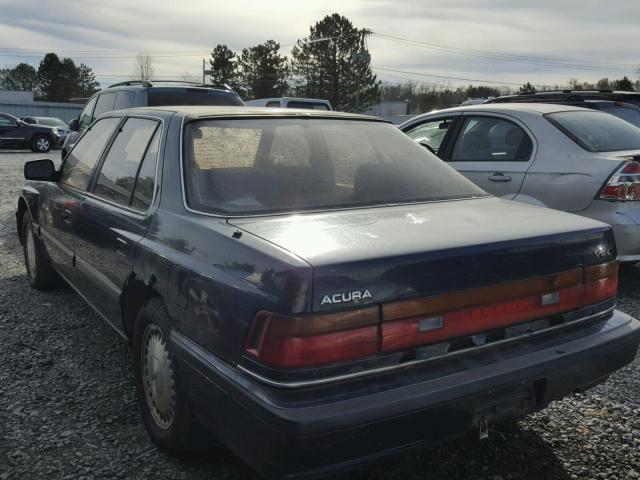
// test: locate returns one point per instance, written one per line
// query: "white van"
(290, 102)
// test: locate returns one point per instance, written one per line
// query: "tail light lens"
(301, 341)
(624, 184)
(283, 341)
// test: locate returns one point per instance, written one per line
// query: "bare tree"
(144, 67)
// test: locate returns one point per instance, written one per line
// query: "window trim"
(504, 118)
(103, 156)
(303, 212)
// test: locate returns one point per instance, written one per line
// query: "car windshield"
(51, 122)
(597, 131)
(272, 165)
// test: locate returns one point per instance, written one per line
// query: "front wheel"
(39, 272)
(41, 144)
(165, 410)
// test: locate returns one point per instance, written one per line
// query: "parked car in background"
(315, 289)
(624, 110)
(144, 93)
(570, 96)
(291, 102)
(57, 123)
(14, 133)
(567, 158)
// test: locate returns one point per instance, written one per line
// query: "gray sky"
(512, 41)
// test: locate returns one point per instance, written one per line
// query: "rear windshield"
(597, 131)
(162, 97)
(272, 165)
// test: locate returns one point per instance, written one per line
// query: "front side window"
(431, 133)
(87, 114)
(290, 164)
(117, 176)
(597, 131)
(7, 122)
(491, 139)
(79, 164)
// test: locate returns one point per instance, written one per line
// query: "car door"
(12, 134)
(493, 151)
(114, 215)
(432, 133)
(61, 199)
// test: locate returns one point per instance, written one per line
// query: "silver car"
(567, 158)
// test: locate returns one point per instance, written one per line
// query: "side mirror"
(43, 170)
(73, 124)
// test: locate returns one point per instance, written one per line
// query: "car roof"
(197, 111)
(541, 108)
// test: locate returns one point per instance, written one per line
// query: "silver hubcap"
(31, 254)
(42, 144)
(158, 377)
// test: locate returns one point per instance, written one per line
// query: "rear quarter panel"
(563, 176)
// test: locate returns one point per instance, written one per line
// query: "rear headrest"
(514, 137)
(475, 140)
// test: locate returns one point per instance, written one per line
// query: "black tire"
(41, 144)
(39, 271)
(182, 435)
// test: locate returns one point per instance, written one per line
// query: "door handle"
(66, 216)
(500, 177)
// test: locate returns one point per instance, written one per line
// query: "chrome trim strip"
(85, 268)
(55, 241)
(307, 383)
(273, 214)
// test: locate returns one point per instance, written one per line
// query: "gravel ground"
(68, 409)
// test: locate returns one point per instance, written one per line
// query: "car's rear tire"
(39, 271)
(165, 410)
(41, 144)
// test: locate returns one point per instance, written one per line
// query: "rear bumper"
(624, 218)
(285, 434)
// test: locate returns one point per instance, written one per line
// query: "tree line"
(55, 80)
(332, 63)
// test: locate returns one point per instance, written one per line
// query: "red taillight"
(283, 341)
(624, 184)
(300, 341)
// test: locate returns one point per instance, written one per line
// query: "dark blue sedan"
(313, 288)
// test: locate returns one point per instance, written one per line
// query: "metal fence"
(65, 111)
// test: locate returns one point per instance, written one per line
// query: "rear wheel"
(39, 272)
(165, 410)
(41, 144)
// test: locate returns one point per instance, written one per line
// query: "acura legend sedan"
(313, 288)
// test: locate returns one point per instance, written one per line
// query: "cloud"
(552, 31)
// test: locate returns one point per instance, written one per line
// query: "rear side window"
(253, 166)
(145, 182)
(597, 131)
(124, 99)
(105, 103)
(118, 174)
(491, 139)
(77, 168)
(159, 97)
